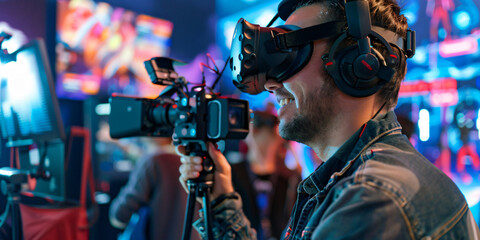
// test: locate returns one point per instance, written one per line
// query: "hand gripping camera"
(192, 118)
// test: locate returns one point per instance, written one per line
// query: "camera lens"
(234, 117)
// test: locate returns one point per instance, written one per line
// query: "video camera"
(194, 116)
(191, 118)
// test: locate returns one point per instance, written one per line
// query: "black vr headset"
(261, 53)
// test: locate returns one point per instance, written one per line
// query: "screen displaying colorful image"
(101, 49)
(28, 107)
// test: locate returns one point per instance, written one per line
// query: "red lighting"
(421, 87)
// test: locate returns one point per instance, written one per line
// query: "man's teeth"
(285, 101)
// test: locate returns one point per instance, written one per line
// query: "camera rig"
(194, 116)
(191, 117)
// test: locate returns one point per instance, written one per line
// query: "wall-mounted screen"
(101, 48)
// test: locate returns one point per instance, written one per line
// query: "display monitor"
(29, 109)
(30, 119)
(49, 157)
(100, 49)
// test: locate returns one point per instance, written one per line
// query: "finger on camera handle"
(188, 171)
(180, 150)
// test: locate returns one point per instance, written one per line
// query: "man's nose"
(272, 85)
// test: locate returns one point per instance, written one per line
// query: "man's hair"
(386, 14)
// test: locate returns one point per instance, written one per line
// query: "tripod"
(12, 180)
(200, 187)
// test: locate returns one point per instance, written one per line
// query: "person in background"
(266, 184)
(152, 185)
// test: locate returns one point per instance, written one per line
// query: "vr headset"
(261, 53)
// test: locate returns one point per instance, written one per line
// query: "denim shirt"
(376, 186)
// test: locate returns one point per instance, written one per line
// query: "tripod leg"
(207, 211)
(187, 225)
(16, 220)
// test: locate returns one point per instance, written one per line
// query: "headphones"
(359, 70)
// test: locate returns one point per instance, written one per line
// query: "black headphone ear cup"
(354, 73)
(365, 66)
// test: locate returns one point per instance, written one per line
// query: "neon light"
(458, 47)
(478, 123)
(465, 73)
(420, 56)
(462, 20)
(422, 87)
(444, 98)
(411, 88)
(424, 125)
(102, 109)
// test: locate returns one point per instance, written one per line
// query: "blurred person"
(373, 183)
(153, 184)
(266, 184)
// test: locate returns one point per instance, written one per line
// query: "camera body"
(193, 116)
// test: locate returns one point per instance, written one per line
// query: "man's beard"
(314, 120)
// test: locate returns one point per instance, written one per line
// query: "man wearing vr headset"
(335, 69)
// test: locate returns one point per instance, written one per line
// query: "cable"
(221, 73)
(385, 103)
(273, 20)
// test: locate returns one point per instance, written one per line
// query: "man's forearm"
(229, 221)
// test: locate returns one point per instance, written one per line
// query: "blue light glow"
(265, 16)
(478, 123)
(424, 124)
(411, 17)
(260, 13)
(420, 56)
(462, 20)
(465, 73)
(193, 132)
(442, 33)
(103, 109)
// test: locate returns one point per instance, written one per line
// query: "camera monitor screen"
(53, 155)
(29, 108)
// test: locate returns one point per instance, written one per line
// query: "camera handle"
(199, 187)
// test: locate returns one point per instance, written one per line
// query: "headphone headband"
(306, 35)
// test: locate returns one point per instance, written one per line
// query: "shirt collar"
(346, 155)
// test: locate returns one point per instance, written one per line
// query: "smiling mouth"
(285, 101)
